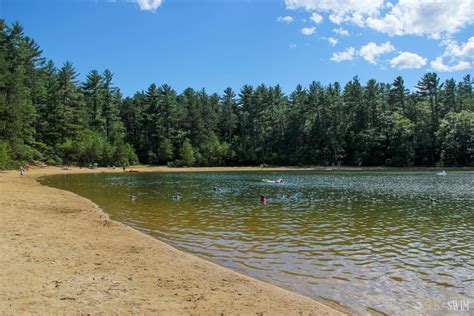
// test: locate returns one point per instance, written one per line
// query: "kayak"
(133, 171)
(270, 181)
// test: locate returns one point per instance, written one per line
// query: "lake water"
(395, 242)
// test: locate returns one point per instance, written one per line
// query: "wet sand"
(60, 254)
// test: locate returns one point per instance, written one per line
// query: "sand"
(60, 254)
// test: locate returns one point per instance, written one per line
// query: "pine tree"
(398, 95)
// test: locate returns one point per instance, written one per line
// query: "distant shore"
(55, 170)
(62, 254)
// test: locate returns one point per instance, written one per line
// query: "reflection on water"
(388, 241)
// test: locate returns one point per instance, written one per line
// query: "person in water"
(280, 180)
(263, 199)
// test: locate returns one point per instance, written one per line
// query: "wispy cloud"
(460, 57)
(341, 31)
(332, 41)
(346, 55)
(285, 19)
(316, 18)
(439, 65)
(149, 5)
(308, 30)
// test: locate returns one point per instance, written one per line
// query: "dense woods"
(46, 114)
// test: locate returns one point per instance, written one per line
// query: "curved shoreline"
(62, 254)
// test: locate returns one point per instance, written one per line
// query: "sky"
(215, 44)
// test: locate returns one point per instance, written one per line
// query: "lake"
(394, 242)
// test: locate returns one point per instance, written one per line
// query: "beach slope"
(61, 254)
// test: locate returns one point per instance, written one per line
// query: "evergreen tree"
(227, 115)
(187, 154)
(398, 95)
(47, 114)
(94, 98)
(428, 89)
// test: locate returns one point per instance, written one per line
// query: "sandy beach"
(60, 254)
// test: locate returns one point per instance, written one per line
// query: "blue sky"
(214, 44)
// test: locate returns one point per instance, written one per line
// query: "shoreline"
(62, 254)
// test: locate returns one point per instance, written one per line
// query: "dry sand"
(60, 254)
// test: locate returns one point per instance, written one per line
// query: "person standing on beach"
(22, 171)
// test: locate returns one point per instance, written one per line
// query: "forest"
(48, 115)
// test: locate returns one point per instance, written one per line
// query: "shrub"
(5, 161)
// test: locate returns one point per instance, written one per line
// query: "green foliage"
(187, 154)
(456, 136)
(5, 161)
(165, 151)
(47, 114)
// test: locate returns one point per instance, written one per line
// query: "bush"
(165, 152)
(5, 161)
(125, 155)
(91, 147)
(187, 155)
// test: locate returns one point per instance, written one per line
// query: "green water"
(370, 240)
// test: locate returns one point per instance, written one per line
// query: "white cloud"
(439, 65)
(149, 5)
(341, 31)
(346, 55)
(352, 11)
(458, 56)
(308, 30)
(341, 7)
(316, 18)
(466, 50)
(407, 60)
(285, 19)
(332, 41)
(371, 51)
(432, 18)
(424, 17)
(389, 24)
(389, 5)
(292, 45)
(336, 19)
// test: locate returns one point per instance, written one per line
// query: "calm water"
(370, 240)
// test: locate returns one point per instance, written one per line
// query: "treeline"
(47, 115)
(375, 124)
